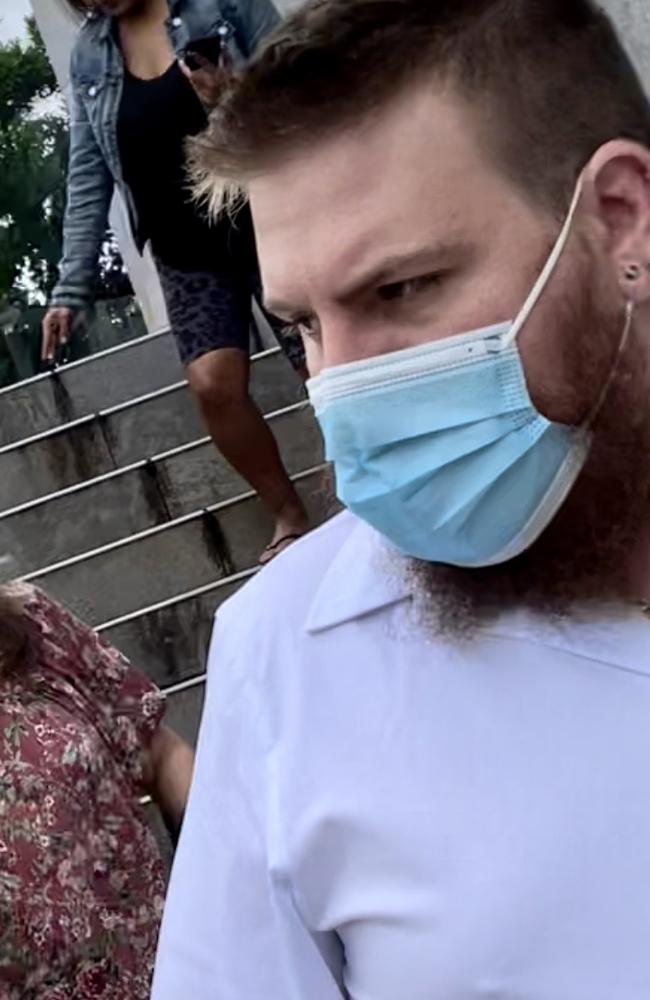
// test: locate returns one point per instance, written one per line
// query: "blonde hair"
(13, 629)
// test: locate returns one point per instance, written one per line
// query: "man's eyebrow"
(390, 268)
(384, 271)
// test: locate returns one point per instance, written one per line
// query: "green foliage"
(33, 166)
(25, 75)
(33, 152)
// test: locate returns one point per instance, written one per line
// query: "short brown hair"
(551, 74)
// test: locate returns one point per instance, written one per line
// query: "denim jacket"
(96, 78)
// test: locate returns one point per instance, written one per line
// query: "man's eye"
(400, 290)
(306, 326)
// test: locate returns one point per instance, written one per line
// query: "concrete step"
(111, 453)
(169, 641)
(131, 500)
(96, 383)
(104, 440)
(157, 564)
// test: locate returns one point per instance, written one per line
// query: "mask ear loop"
(538, 289)
(548, 270)
(625, 337)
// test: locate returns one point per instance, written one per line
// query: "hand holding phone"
(212, 50)
(208, 65)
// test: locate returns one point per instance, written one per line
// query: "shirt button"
(176, 22)
(92, 92)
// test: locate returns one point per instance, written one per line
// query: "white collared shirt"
(402, 818)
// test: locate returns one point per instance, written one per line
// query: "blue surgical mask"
(440, 448)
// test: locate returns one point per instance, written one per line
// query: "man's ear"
(618, 178)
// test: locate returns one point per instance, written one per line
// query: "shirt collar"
(364, 577)
(614, 634)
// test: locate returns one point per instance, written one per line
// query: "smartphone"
(214, 48)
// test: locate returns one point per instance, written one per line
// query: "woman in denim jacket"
(133, 102)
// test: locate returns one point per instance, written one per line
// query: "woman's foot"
(288, 529)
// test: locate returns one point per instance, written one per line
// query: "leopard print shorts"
(210, 310)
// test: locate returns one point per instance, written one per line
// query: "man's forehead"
(422, 134)
(408, 176)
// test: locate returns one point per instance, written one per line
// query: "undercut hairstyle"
(548, 81)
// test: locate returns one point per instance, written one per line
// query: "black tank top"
(155, 118)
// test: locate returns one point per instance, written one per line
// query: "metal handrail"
(133, 466)
(158, 529)
(188, 595)
(110, 410)
(84, 361)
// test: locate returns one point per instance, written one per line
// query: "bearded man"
(426, 773)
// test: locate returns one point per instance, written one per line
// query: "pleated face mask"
(440, 448)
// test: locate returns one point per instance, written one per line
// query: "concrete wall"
(633, 20)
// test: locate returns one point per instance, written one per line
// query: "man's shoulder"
(283, 591)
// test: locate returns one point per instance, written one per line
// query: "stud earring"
(632, 272)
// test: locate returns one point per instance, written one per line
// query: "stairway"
(115, 501)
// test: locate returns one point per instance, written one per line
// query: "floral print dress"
(81, 878)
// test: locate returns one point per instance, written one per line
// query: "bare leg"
(219, 381)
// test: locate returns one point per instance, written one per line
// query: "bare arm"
(169, 775)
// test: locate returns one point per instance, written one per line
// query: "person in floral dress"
(82, 881)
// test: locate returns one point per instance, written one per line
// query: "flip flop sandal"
(274, 549)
